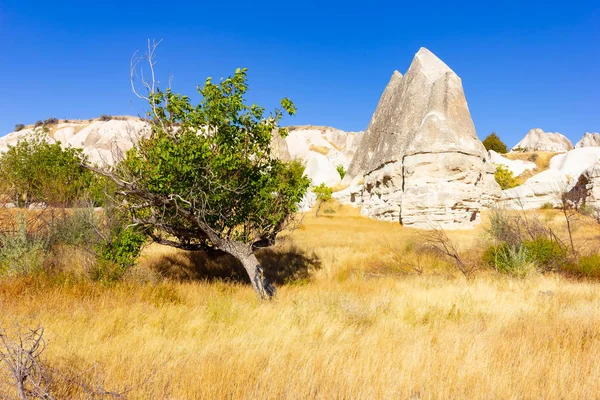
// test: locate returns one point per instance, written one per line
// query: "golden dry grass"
(319, 149)
(357, 329)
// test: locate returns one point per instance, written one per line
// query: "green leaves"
(37, 171)
(214, 160)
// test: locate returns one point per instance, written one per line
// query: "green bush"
(36, 171)
(105, 117)
(548, 254)
(509, 259)
(19, 127)
(547, 206)
(51, 121)
(505, 177)
(493, 142)
(587, 266)
(20, 251)
(340, 169)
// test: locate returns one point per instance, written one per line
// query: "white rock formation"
(587, 188)
(589, 140)
(320, 170)
(546, 187)
(322, 149)
(103, 142)
(538, 140)
(422, 162)
(517, 167)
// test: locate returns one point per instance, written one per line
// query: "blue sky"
(523, 64)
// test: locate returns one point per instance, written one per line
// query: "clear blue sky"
(524, 64)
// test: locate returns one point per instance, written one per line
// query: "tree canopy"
(206, 179)
(493, 142)
(34, 170)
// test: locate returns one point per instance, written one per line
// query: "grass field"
(352, 322)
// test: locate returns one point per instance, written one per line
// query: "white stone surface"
(517, 167)
(538, 140)
(589, 140)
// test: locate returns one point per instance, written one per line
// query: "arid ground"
(362, 311)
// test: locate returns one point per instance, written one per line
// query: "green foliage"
(323, 192)
(213, 161)
(586, 266)
(509, 259)
(19, 127)
(51, 121)
(117, 253)
(520, 259)
(36, 171)
(547, 206)
(20, 251)
(493, 142)
(324, 195)
(505, 177)
(340, 169)
(105, 117)
(548, 254)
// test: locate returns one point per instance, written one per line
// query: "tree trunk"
(243, 252)
(260, 283)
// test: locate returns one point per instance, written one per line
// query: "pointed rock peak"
(397, 74)
(430, 65)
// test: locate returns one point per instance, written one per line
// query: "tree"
(493, 142)
(34, 170)
(205, 179)
(323, 193)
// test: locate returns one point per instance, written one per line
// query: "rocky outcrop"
(322, 149)
(538, 140)
(517, 167)
(589, 140)
(547, 187)
(420, 158)
(587, 189)
(103, 142)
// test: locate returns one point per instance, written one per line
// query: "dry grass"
(319, 149)
(540, 158)
(358, 328)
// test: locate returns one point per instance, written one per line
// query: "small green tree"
(340, 169)
(206, 179)
(493, 142)
(324, 194)
(505, 177)
(34, 170)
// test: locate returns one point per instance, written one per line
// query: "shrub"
(587, 266)
(19, 127)
(324, 194)
(340, 169)
(493, 142)
(547, 206)
(38, 123)
(36, 171)
(505, 177)
(105, 117)
(51, 121)
(509, 259)
(548, 254)
(21, 252)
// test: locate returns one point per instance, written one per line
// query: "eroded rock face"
(588, 187)
(538, 140)
(547, 187)
(422, 162)
(589, 140)
(103, 142)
